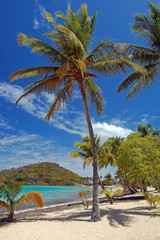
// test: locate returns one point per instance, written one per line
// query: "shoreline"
(65, 206)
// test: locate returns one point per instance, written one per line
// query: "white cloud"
(38, 108)
(145, 119)
(36, 23)
(104, 130)
(38, 20)
(23, 149)
(71, 121)
(4, 123)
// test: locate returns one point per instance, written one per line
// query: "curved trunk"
(95, 207)
(155, 182)
(100, 182)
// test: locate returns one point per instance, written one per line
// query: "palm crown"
(103, 152)
(148, 29)
(72, 59)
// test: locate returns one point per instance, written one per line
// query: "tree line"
(137, 158)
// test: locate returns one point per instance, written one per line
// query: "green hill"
(40, 174)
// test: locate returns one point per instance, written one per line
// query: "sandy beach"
(125, 220)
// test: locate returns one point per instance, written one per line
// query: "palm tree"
(147, 27)
(144, 130)
(103, 155)
(11, 201)
(110, 194)
(71, 64)
(108, 179)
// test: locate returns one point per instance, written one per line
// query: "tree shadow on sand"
(116, 217)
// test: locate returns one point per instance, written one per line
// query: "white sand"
(120, 221)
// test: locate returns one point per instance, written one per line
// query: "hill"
(40, 174)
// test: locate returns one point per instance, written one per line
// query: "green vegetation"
(139, 162)
(110, 194)
(85, 153)
(72, 64)
(11, 202)
(151, 198)
(40, 174)
(108, 180)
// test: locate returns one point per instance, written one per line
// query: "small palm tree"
(11, 201)
(110, 194)
(103, 154)
(147, 27)
(151, 198)
(144, 130)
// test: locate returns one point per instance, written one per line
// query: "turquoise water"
(54, 195)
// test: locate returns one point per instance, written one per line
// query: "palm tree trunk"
(155, 182)
(100, 182)
(95, 205)
(11, 216)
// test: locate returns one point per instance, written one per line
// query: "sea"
(56, 195)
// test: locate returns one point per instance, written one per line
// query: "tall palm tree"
(71, 64)
(11, 201)
(103, 155)
(147, 27)
(144, 130)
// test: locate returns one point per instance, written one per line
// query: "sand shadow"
(116, 217)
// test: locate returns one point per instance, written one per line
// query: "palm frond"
(85, 147)
(76, 154)
(61, 99)
(63, 70)
(88, 161)
(118, 192)
(117, 66)
(103, 47)
(29, 198)
(105, 159)
(71, 43)
(129, 81)
(108, 56)
(4, 205)
(41, 47)
(32, 72)
(50, 19)
(93, 93)
(11, 192)
(144, 82)
(80, 65)
(137, 53)
(107, 193)
(80, 23)
(136, 76)
(147, 26)
(48, 84)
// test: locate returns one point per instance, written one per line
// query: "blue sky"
(25, 137)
